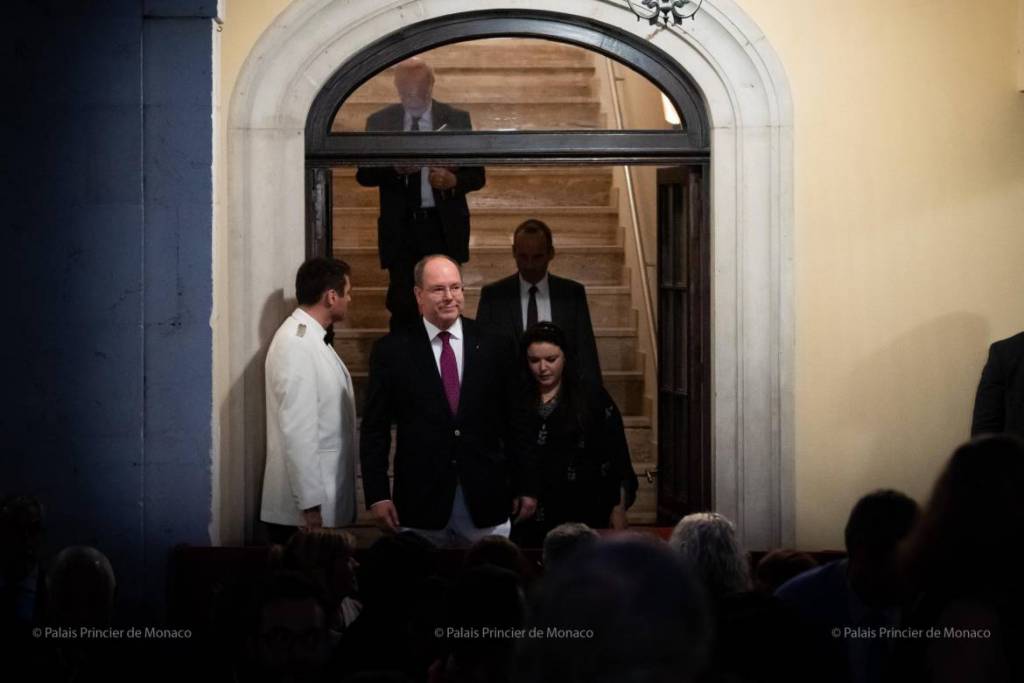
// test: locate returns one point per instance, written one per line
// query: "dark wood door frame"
(684, 364)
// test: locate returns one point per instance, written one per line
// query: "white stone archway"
(752, 335)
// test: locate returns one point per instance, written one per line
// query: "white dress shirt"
(426, 123)
(455, 340)
(543, 298)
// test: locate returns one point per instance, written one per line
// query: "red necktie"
(449, 372)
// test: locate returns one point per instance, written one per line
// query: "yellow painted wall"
(909, 153)
(909, 231)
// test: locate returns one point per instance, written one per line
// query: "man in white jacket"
(309, 480)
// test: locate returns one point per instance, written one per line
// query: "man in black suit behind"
(423, 210)
(999, 403)
(511, 305)
(463, 442)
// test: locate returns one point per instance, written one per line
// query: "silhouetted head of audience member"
(291, 640)
(974, 514)
(21, 537)
(394, 568)
(80, 588)
(779, 566)
(564, 540)
(485, 606)
(499, 552)
(328, 557)
(877, 524)
(707, 543)
(625, 609)
(403, 606)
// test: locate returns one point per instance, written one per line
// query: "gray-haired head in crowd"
(707, 543)
(564, 540)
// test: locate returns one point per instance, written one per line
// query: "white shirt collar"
(542, 285)
(426, 119)
(433, 330)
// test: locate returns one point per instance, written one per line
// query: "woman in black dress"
(586, 473)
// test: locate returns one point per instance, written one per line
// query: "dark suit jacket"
(485, 447)
(999, 403)
(501, 311)
(451, 204)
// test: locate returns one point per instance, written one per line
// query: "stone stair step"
(509, 52)
(616, 347)
(550, 187)
(591, 265)
(626, 388)
(493, 226)
(609, 306)
(495, 115)
(507, 187)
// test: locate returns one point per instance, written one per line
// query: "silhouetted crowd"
(921, 595)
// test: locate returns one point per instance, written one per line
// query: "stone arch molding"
(749, 107)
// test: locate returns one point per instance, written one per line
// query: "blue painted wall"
(107, 241)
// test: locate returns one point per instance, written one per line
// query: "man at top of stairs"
(423, 209)
(511, 305)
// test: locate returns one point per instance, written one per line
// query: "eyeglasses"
(441, 290)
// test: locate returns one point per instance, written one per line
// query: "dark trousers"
(424, 235)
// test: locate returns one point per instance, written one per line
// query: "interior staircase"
(520, 84)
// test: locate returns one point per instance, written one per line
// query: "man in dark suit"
(463, 443)
(999, 403)
(423, 210)
(511, 305)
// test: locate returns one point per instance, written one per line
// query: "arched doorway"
(748, 126)
(675, 478)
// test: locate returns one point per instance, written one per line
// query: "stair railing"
(652, 326)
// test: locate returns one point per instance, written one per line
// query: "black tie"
(414, 195)
(329, 336)
(531, 307)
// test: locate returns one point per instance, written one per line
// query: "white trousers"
(459, 532)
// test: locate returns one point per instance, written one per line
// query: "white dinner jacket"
(311, 428)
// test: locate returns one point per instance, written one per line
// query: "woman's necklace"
(550, 395)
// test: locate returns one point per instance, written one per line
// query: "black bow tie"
(329, 336)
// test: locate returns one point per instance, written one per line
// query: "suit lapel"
(558, 302)
(423, 358)
(395, 120)
(517, 306)
(470, 354)
(438, 115)
(438, 118)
